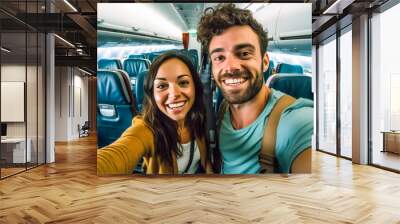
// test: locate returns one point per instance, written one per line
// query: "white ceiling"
(153, 19)
(169, 20)
(285, 19)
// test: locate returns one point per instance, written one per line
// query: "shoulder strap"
(267, 153)
(221, 112)
(217, 162)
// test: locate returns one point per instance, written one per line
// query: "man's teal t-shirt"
(240, 148)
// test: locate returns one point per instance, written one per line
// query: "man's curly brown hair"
(215, 21)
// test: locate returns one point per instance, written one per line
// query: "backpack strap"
(217, 153)
(221, 112)
(268, 161)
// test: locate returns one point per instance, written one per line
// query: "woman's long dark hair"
(166, 137)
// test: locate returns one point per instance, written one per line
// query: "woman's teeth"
(176, 105)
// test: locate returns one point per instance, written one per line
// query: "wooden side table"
(391, 141)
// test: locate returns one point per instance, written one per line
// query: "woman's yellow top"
(122, 156)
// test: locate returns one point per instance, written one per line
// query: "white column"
(314, 90)
(50, 92)
(360, 90)
(50, 101)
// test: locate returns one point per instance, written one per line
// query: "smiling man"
(237, 45)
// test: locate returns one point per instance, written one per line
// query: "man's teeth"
(176, 105)
(234, 81)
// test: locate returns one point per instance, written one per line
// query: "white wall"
(61, 103)
(16, 73)
(70, 83)
(33, 126)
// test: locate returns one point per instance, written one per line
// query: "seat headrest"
(153, 56)
(296, 85)
(133, 66)
(139, 88)
(288, 68)
(268, 73)
(109, 64)
(113, 88)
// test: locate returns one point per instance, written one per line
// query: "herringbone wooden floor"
(70, 192)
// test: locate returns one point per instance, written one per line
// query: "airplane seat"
(268, 73)
(192, 58)
(296, 85)
(109, 64)
(288, 68)
(115, 105)
(139, 89)
(153, 56)
(218, 99)
(192, 53)
(134, 66)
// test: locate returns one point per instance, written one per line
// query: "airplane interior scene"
(81, 80)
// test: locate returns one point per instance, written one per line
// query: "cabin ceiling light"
(64, 40)
(70, 5)
(5, 50)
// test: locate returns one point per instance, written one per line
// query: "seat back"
(296, 85)
(288, 68)
(109, 64)
(86, 126)
(152, 56)
(218, 97)
(134, 66)
(268, 73)
(139, 89)
(115, 105)
(192, 53)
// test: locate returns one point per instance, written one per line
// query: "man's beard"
(253, 87)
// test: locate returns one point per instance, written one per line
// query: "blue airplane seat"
(109, 64)
(192, 53)
(218, 99)
(153, 56)
(139, 89)
(288, 68)
(134, 66)
(192, 58)
(115, 105)
(296, 85)
(268, 73)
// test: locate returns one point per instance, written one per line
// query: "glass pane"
(31, 97)
(13, 85)
(41, 99)
(327, 96)
(386, 89)
(346, 94)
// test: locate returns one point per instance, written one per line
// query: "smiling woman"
(174, 90)
(170, 133)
